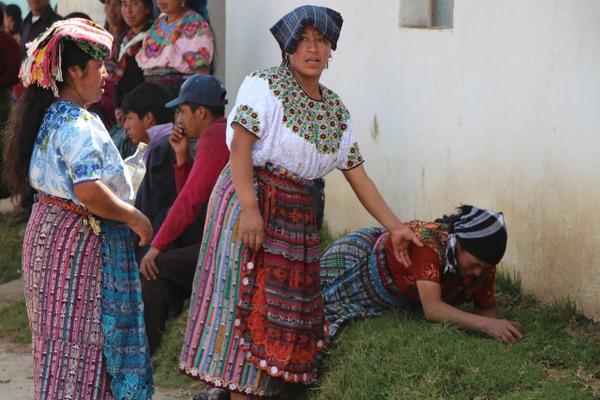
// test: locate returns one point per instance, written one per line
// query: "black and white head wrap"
(288, 29)
(480, 232)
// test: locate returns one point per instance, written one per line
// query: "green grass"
(326, 237)
(402, 356)
(11, 240)
(165, 361)
(14, 326)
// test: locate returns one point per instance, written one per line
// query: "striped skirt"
(253, 325)
(355, 278)
(84, 306)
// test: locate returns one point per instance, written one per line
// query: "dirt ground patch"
(16, 362)
(16, 376)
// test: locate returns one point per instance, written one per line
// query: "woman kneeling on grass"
(457, 264)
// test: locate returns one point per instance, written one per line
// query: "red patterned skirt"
(257, 316)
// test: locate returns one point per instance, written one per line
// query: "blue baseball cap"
(202, 90)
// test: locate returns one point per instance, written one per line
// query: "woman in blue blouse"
(82, 285)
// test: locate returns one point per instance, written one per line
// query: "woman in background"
(127, 73)
(115, 25)
(178, 44)
(13, 21)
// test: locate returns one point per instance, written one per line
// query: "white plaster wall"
(216, 12)
(501, 111)
(93, 8)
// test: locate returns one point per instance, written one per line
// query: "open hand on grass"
(504, 330)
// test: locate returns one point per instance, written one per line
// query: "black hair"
(13, 11)
(78, 14)
(25, 121)
(150, 16)
(2, 7)
(215, 111)
(452, 218)
(148, 97)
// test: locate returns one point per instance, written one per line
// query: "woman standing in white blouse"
(256, 318)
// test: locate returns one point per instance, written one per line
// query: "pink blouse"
(186, 44)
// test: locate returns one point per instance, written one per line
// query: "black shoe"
(212, 393)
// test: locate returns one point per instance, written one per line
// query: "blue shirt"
(71, 147)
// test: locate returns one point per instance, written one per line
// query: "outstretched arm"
(371, 199)
(436, 309)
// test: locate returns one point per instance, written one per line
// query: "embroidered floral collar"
(322, 123)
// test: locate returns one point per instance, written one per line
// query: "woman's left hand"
(140, 225)
(401, 238)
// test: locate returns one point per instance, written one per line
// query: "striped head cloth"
(288, 29)
(480, 232)
(42, 67)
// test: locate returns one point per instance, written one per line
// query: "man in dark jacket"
(37, 21)
(168, 270)
(147, 120)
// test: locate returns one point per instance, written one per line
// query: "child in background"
(148, 121)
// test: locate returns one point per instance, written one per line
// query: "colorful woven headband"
(42, 67)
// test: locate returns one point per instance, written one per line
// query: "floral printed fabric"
(306, 136)
(185, 45)
(427, 264)
(319, 122)
(248, 118)
(73, 146)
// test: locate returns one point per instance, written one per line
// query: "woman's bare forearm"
(430, 294)
(101, 201)
(242, 171)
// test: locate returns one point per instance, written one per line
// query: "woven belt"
(89, 220)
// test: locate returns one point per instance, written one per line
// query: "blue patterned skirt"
(84, 305)
(355, 278)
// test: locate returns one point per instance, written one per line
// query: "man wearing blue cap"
(169, 273)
